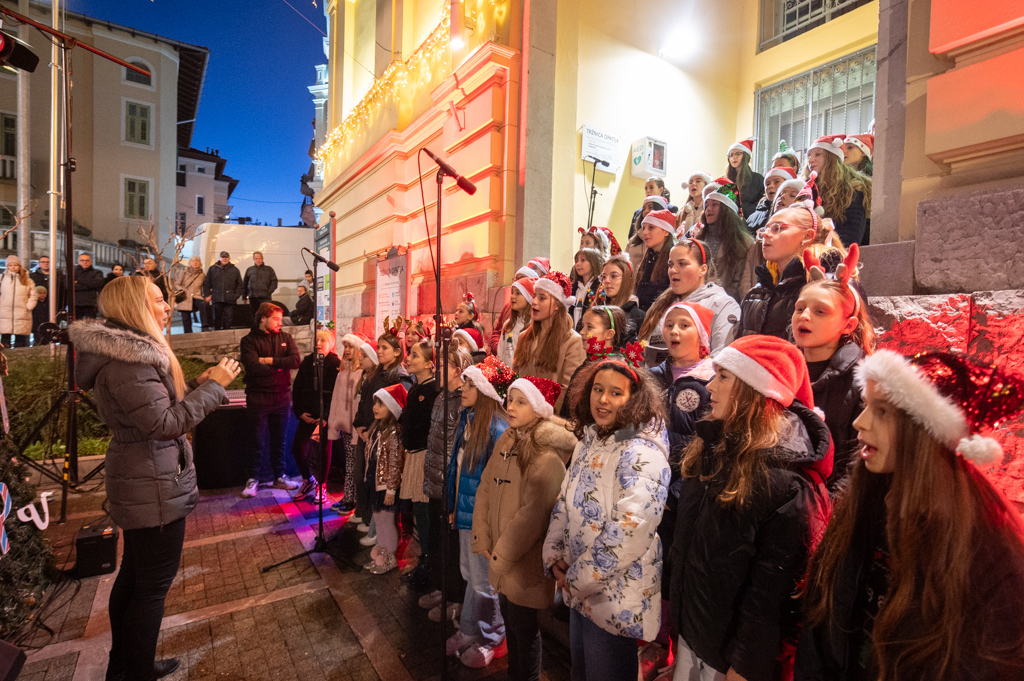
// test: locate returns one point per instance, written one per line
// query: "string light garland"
(418, 70)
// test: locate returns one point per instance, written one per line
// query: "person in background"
(691, 211)
(726, 236)
(773, 179)
(259, 283)
(40, 313)
(531, 270)
(269, 357)
(585, 278)
(857, 150)
(305, 308)
(116, 270)
(306, 407)
(749, 185)
(88, 284)
(190, 280)
(785, 157)
(635, 247)
(844, 194)
(617, 288)
(140, 393)
(150, 269)
(222, 288)
(786, 194)
(308, 275)
(653, 186)
(18, 300)
(517, 320)
(41, 274)
(658, 234)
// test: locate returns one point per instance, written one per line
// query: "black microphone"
(464, 184)
(319, 258)
(603, 162)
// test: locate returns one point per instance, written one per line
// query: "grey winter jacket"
(723, 325)
(436, 462)
(260, 281)
(223, 283)
(150, 477)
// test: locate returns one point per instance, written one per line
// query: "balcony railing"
(8, 164)
(103, 254)
(782, 20)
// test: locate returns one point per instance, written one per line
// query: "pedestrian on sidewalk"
(222, 287)
(141, 395)
(259, 283)
(269, 357)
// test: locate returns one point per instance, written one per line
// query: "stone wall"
(210, 346)
(988, 326)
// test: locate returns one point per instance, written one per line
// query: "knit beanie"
(771, 366)
(393, 397)
(541, 393)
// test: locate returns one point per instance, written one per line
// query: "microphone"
(600, 161)
(464, 184)
(319, 258)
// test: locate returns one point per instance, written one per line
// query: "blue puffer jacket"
(469, 480)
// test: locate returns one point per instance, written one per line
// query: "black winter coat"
(435, 464)
(751, 194)
(223, 283)
(634, 319)
(380, 379)
(88, 284)
(851, 225)
(304, 311)
(768, 307)
(758, 218)
(415, 418)
(268, 379)
(304, 397)
(734, 572)
(836, 395)
(260, 281)
(648, 290)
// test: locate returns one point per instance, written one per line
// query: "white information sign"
(605, 146)
(391, 285)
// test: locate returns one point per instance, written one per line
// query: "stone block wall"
(210, 346)
(988, 326)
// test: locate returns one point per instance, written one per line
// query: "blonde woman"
(140, 394)
(190, 280)
(17, 300)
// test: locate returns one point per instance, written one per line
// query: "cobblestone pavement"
(312, 618)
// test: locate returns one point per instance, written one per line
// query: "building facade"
(203, 190)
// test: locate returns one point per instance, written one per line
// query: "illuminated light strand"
(418, 69)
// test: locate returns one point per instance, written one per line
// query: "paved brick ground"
(225, 619)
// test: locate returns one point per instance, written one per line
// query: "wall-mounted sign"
(602, 145)
(648, 157)
(392, 275)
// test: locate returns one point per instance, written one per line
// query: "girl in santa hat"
(658, 234)
(518, 318)
(549, 347)
(472, 340)
(832, 326)
(857, 151)
(513, 505)
(530, 271)
(749, 183)
(339, 419)
(752, 505)
(617, 290)
(691, 279)
(691, 212)
(725, 233)
(481, 634)
(385, 462)
(585, 278)
(844, 194)
(602, 545)
(920, 574)
(467, 314)
(772, 181)
(635, 247)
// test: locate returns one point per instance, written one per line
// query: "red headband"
(618, 362)
(703, 255)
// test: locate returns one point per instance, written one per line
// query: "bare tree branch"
(20, 216)
(155, 250)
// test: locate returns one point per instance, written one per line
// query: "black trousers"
(150, 562)
(13, 340)
(440, 564)
(302, 445)
(223, 313)
(522, 634)
(268, 421)
(85, 311)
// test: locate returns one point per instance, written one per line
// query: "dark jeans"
(598, 655)
(222, 315)
(421, 512)
(440, 564)
(14, 340)
(186, 315)
(85, 311)
(301, 444)
(255, 303)
(151, 559)
(268, 421)
(362, 500)
(522, 634)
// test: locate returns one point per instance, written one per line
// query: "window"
(136, 77)
(181, 224)
(200, 205)
(201, 170)
(136, 199)
(9, 141)
(838, 97)
(136, 123)
(782, 20)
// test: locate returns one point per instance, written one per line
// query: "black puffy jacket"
(837, 396)
(260, 281)
(304, 397)
(223, 283)
(851, 226)
(648, 289)
(634, 320)
(88, 284)
(435, 464)
(758, 218)
(751, 194)
(768, 307)
(734, 572)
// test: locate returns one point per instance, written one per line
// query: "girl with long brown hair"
(725, 233)
(549, 347)
(617, 289)
(520, 299)
(844, 194)
(585, 278)
(920, 575)
(658, 231)
(750, 511)
(749, 183)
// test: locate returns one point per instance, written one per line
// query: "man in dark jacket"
(41, 276)
(88, 284)
(305, 308)
(259, 283)
(268, 357)
(222, 287)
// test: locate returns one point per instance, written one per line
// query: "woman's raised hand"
(225, 372)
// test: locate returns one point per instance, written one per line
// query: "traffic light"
(16, 54)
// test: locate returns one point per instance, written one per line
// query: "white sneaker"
(368, 540)
(457, 643)
(249, 491)
(320, 492)
(430, 600)
(363, 527)
(285, 483)
(454, 611)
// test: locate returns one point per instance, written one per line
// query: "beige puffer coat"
(17, 300)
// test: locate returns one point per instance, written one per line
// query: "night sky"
(255, 106)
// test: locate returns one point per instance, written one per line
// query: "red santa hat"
(701, 175)
(662, 219)
(393, 397)
(746, 146)
(866, 143)
(830, 143)
(725, 192)
(471, 338)
(369, 348)
(491, 377)
(771, 366)
(558, 287)
(353, 340)
(658, 200)
(953, 398)
(525, 286)
(784, 172)
(702, 318)
(541, 393)
(526, 271)
(541, 266)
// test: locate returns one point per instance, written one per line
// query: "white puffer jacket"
(17, 300)
(605, 527)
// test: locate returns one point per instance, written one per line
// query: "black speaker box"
(12, 659)
(96, 550)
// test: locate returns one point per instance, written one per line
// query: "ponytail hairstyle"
(470, 302)
(623, 264)
(645, 403)
(613, 318)
(125, 300)
(427, 348)
(699, 251)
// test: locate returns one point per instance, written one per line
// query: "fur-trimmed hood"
(553, 433)
(98, 343)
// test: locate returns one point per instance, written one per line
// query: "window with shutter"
(136, 199)
(136, 124)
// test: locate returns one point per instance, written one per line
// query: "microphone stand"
(593, 192)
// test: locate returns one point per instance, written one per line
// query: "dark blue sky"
(255, 106)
